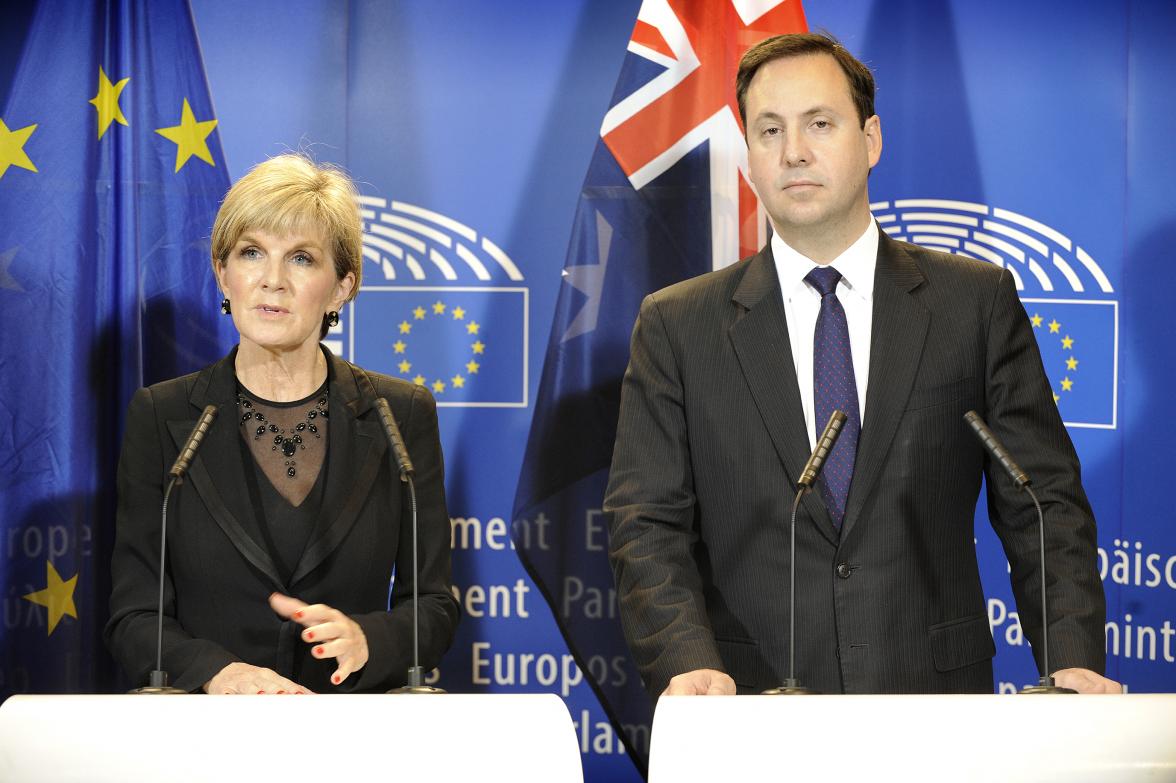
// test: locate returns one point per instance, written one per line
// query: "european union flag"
(1079, 347)
(110, 175)
(467, 344)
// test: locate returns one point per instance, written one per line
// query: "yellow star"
(1071, 363)
(438, 307)
(1054, 326)
(479, 346)
(12, 147)
(1067, 384)
(419, 380)
(419, 314)
(106, 102)
(472, 327)
(1056, 398)
(472, 367)
(458, 381)
(405, 327)
(57, 596)
(190, 137)
(458, 313)
(438, 386)
(1036, 319)
(405, 366)
(399, 345)
(1067, 342)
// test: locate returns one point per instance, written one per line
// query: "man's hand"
(1085, 681)
(701, 682)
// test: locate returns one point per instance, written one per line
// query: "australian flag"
(110, 176)
(666, 198)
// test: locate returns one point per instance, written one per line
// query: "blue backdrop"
(1036, 135)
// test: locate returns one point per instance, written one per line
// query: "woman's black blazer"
(219, 572)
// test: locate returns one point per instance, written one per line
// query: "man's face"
(807, 151)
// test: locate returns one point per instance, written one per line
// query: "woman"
(294, 494)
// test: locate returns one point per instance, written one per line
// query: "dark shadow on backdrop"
(408, 170)
(1148, 280)
(929, 148)
(13, 32)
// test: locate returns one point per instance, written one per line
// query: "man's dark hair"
(861, 81)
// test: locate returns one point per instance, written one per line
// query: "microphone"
(184, 460)
(157, 683)
(825, 444)
(995, 448)
(394, 439)
(416, 679)
(804, 485)
(1022, 482)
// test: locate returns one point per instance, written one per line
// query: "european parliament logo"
(1077, 326)
(417, 318)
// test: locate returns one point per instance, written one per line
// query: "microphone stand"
(804, 485)
(416, 681)
(988, 439)
(792, 686)
(416, 678)
(157, 683)
(1045, 683)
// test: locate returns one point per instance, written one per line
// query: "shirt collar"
(856, 264)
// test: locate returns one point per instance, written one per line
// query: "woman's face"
(281, 287)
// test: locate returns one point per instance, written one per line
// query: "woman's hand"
(333, 634)
(245, 678)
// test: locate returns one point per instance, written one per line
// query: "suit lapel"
(898, 331)
(356, 447)
(760, 339)
(220, 481)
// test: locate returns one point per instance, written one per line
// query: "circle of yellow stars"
(190, 136)
(477, 347)
(1055, 327)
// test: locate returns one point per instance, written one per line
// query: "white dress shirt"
(802, 305)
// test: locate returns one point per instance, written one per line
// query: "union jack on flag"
(691, 101)
(666, 197)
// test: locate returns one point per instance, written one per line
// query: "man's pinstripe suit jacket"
(711, 439)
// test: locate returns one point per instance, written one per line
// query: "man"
(732, 376)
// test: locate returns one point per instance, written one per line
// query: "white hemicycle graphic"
(1033, 252)
(424, 243)
(1067, 295)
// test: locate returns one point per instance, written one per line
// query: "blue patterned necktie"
(834, 388)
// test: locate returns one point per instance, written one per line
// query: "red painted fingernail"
(335, 678)
(318, 650)
(281, 691)
(298, 615)
(310, 634)
(260, 692)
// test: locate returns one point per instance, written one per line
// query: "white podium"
(914, 738)
(179, 739)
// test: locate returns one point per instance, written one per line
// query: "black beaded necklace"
(288, 443)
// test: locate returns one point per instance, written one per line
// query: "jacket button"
(844, 571)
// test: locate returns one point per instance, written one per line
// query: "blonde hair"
(289, 193)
